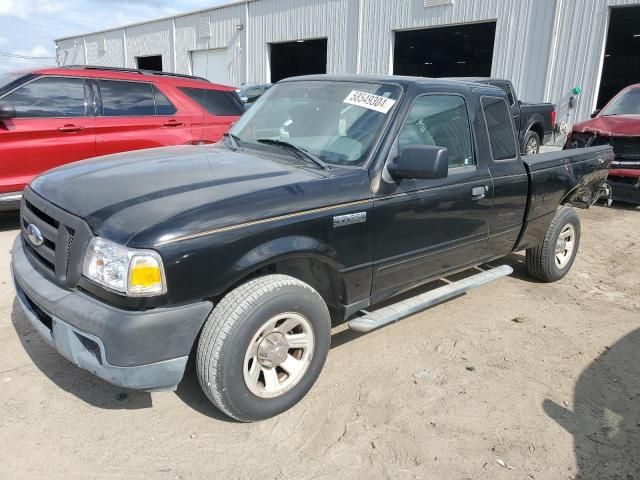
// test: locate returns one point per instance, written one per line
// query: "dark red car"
(54, 116)
(617, 124)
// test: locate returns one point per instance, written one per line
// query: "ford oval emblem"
(34, 235)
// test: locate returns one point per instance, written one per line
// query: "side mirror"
(596, 113)
(7, 111)
(426, 162)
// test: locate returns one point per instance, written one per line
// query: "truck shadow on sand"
(70, 378)
(605, 421)
(93, 390)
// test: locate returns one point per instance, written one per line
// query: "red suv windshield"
(627, 103)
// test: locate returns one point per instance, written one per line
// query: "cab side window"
(49, 97)
(126, 99)
(443, 121)
(498, 119)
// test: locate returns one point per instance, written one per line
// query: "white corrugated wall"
(523, 31)
(289, 20)
(226, 31)
(71, 51)
(579, 55)
(150, 39)
(541, 65)
(105, 49)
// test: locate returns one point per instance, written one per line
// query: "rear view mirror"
(595, 113)
(426, 162)
(7, 111)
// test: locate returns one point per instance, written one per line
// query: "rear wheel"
(553, 259)
(531, 143)
(263, 347)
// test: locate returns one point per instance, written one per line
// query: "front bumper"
(145, 350)
(10, 201)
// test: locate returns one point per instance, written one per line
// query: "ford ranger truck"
(328, 197)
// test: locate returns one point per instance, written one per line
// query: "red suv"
(55, 116)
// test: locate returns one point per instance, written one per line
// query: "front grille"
(626, 149)
(48, 226)
(64, 236)
(633, 181)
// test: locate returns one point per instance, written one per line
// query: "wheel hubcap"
(278, 356)
(532, 147)
(565, 245)
(273, 350)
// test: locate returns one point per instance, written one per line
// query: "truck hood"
(141, 198)
(611, 126)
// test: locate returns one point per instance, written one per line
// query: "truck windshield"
(337, 122)
(627, 103)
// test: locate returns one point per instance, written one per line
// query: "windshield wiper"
(299, 151)
(233, 139)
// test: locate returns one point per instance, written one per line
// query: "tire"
(542, 261)
(253, 315)
(531, 143)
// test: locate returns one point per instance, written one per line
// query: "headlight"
(136, 273)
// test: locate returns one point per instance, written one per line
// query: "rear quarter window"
(216, 102)
(506, 89)
(163, 104)
(499, 128)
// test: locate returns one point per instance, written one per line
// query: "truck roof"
(404, 81)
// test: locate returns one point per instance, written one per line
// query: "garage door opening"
(211, 64)
(455, 51)
(152, 62)
(622, 53)
(302, 57)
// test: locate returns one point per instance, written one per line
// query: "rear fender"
(588, 190)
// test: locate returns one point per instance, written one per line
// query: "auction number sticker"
(370, 101)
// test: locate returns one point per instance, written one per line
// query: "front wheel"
(263, 347)
(531, 143)
(553, 259)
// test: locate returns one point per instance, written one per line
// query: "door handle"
(478, 193)
(70, 128)
(172, 123)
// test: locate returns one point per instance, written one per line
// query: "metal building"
(546, 47)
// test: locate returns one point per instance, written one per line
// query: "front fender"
(283, 248)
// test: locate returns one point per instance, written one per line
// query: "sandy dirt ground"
(516, 380)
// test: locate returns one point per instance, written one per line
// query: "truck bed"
(576, 177)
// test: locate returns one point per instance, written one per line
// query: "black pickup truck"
(329, 196)
(534, 122)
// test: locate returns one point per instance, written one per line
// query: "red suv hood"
(611, 126)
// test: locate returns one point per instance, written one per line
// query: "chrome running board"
(404, 308)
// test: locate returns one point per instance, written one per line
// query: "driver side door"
(426, 228)
(52, 127)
